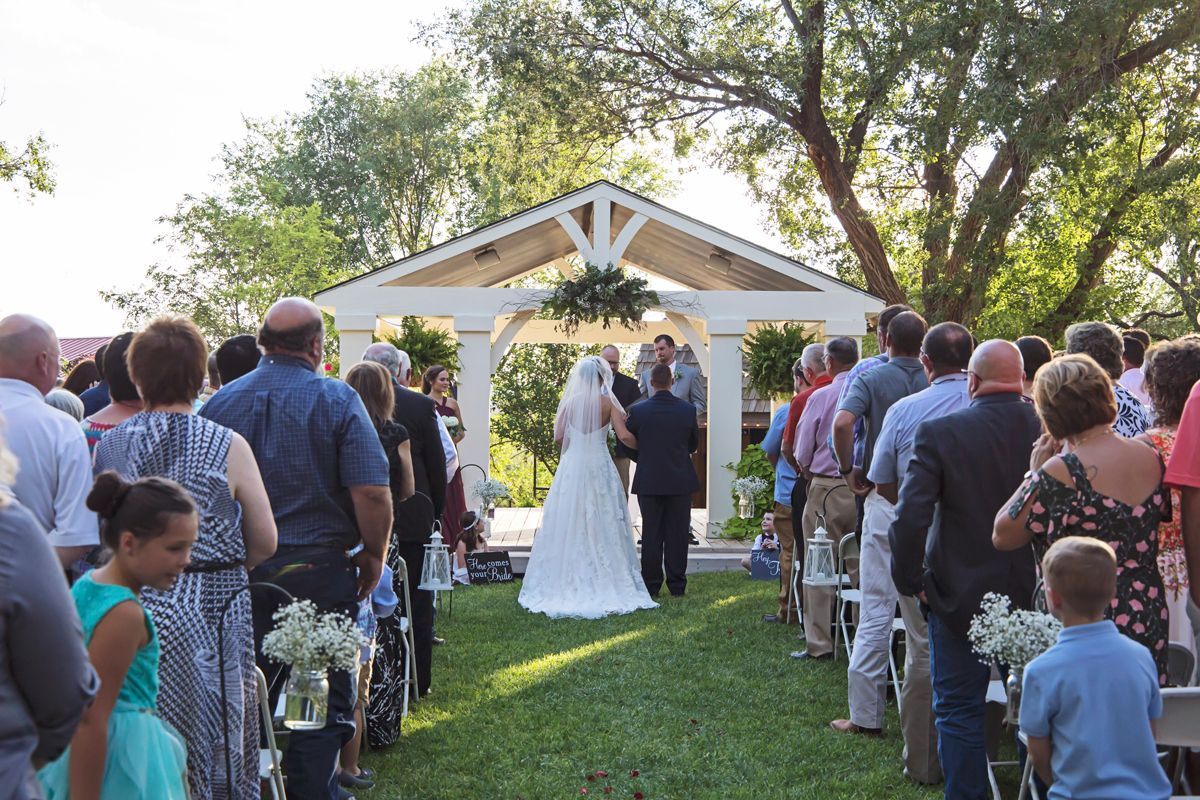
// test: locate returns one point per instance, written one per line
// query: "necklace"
(1100, 432)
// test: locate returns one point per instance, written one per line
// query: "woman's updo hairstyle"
(430, 375)
(143, 508)
(1073, 394)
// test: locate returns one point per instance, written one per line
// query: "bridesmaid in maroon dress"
(436, 383)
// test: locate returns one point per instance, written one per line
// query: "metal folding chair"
(400, 575)
(269, 768)
(797, 571)
(847, 595)
(1179, 726)
(1181, 665)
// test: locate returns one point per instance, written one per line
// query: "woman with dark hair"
(82, 377)
(1170, 370)
(1035, 351)
(123, 395)
(436, 383)
(167, 362)
(1086, 480)
(471, 539)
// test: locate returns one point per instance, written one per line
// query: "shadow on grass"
(698, 696)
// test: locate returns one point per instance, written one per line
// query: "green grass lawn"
(698, 696)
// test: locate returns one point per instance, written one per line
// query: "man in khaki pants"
(829, 502)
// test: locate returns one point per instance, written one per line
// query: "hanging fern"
(425, 345)
(770, 353)
(594, 294)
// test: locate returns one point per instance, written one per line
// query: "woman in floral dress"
(1171, 369)
(1085, 480)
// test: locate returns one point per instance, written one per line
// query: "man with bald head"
(55, 472)
(327, 478)
(627, 392)
(964, 466)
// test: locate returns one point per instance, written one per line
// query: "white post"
(724, 412)
(475, 391)
(354, 336)
(602, 232)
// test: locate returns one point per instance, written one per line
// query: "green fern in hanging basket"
(608, 296)
(770, 353)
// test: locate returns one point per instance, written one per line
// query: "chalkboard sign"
(493, 567)
(764, 565)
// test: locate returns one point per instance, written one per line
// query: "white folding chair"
(797, 572)
(847, 595)
(897, 627)
(1029, 788)
(1179, 726)
(406, 629)
(268, 759)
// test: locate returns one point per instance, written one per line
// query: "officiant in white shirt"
(687, 384)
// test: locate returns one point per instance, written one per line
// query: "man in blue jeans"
(327, 478)
(964, 467)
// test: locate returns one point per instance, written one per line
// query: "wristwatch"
(844, 472)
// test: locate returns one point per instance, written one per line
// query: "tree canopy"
(976, 157)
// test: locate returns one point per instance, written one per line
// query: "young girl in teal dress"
(121, 750)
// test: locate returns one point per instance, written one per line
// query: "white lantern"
(435, 572)
(819, 568)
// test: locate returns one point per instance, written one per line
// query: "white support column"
(475, 388)
(724, 412)
(602, 232)
(355, 332)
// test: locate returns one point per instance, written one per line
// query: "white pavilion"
(729, 287)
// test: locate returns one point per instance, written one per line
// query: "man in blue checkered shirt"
(327, 478)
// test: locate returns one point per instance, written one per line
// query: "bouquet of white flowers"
(453, 426)
(1004, 636)
(749, 485)
(490, 490)
(311, 641)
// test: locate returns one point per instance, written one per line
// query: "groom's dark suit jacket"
(667, 434)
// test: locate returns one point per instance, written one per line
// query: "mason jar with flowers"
(312, 644)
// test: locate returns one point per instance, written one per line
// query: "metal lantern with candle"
(820, 566)
(435, 572)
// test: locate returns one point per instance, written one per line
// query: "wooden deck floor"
(514, 529)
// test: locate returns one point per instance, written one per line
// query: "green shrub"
(753, 462)
(425, 346)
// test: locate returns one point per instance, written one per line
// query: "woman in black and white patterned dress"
(167, 363)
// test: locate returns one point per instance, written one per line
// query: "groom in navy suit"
(665, 434)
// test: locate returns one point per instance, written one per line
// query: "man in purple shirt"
(829, 503)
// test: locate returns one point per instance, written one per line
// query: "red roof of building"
(78, 349)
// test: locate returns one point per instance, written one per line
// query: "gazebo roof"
(665, 243)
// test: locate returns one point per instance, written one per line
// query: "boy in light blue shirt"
(1090, 701)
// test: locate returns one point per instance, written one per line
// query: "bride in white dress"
(584, 563)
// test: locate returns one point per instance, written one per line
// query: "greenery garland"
(770, 353)
(596, 294)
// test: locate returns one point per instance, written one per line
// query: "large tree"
(27, 166)
(929, 127)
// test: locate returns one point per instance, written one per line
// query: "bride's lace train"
(584, 563)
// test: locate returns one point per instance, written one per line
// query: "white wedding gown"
(584, 563)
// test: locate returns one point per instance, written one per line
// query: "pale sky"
(137, 98)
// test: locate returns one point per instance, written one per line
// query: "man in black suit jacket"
(664, 431)
(964, 467)
(413, 519)
(418, 414)
(627, 392)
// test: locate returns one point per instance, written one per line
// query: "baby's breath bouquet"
(1001, 635)
(490, 490)
(311, 641)
(748, 486)
(1004, 636)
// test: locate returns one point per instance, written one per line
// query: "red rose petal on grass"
(694, 722)
(639, 796)
(583, 790)
(633, 773)
(608, 790)
(591, 777)
(601, 773)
